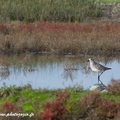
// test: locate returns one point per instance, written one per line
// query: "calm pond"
(54, 71)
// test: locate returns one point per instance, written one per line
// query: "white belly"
(94, 68)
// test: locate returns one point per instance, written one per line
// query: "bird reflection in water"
(97, 87)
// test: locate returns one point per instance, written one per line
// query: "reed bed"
(61, 38)
(48, 10)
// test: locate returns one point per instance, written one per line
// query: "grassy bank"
(70, 103)
(52, 10)
(110, 1)
(61, 38)
(48, 10)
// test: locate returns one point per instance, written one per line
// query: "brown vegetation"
(55, 110)
(62, 38)
(114, 87)
(91, 106)
(8, 107)
(65, 105)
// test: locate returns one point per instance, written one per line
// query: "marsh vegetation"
(70, 103)
(48, 10)
(61, 38)
(50, 27)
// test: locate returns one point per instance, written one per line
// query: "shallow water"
(54, 71)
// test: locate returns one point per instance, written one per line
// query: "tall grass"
(48, 10)
(62, 38)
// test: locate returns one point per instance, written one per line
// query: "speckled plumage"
(96, 67)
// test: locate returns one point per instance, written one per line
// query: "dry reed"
(62, 38)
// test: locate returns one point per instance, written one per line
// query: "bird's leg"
(99, 77)
(101, 82)
(101, 73)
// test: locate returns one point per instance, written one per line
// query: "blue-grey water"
(52, 71)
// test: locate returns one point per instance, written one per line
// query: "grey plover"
(96, 67)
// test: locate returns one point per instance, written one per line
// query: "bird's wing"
(99, 66)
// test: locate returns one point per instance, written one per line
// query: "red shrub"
(107, 108)
(55, 110)
(46, 115)
(29, 27)
(91, 106)
(2, 27)
(56, 27)
(81, 27)
(87, 103)
(8, 107)
(114, 87)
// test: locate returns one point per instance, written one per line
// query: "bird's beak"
(87, 60)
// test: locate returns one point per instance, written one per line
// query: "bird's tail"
(108, 68)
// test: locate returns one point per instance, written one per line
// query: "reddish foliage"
(55, 110)
(113, 27)
(87, 103)
(46, 115)
(93, 106)
(82, 27)
(107, 108)
(8, 107)
(54, 27)
(59, 26)
(2, 27)
(89, 99)
(28, 27)
(114, 87)
(62, 96)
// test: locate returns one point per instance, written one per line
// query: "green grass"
(110, 96)
(110, 1)
(27, 107)
(50, 10)
(30, 99)
(47, 10)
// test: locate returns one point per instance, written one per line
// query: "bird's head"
(90, 60)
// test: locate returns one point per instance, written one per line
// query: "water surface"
(54, 71)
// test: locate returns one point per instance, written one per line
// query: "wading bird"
(96, 67)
